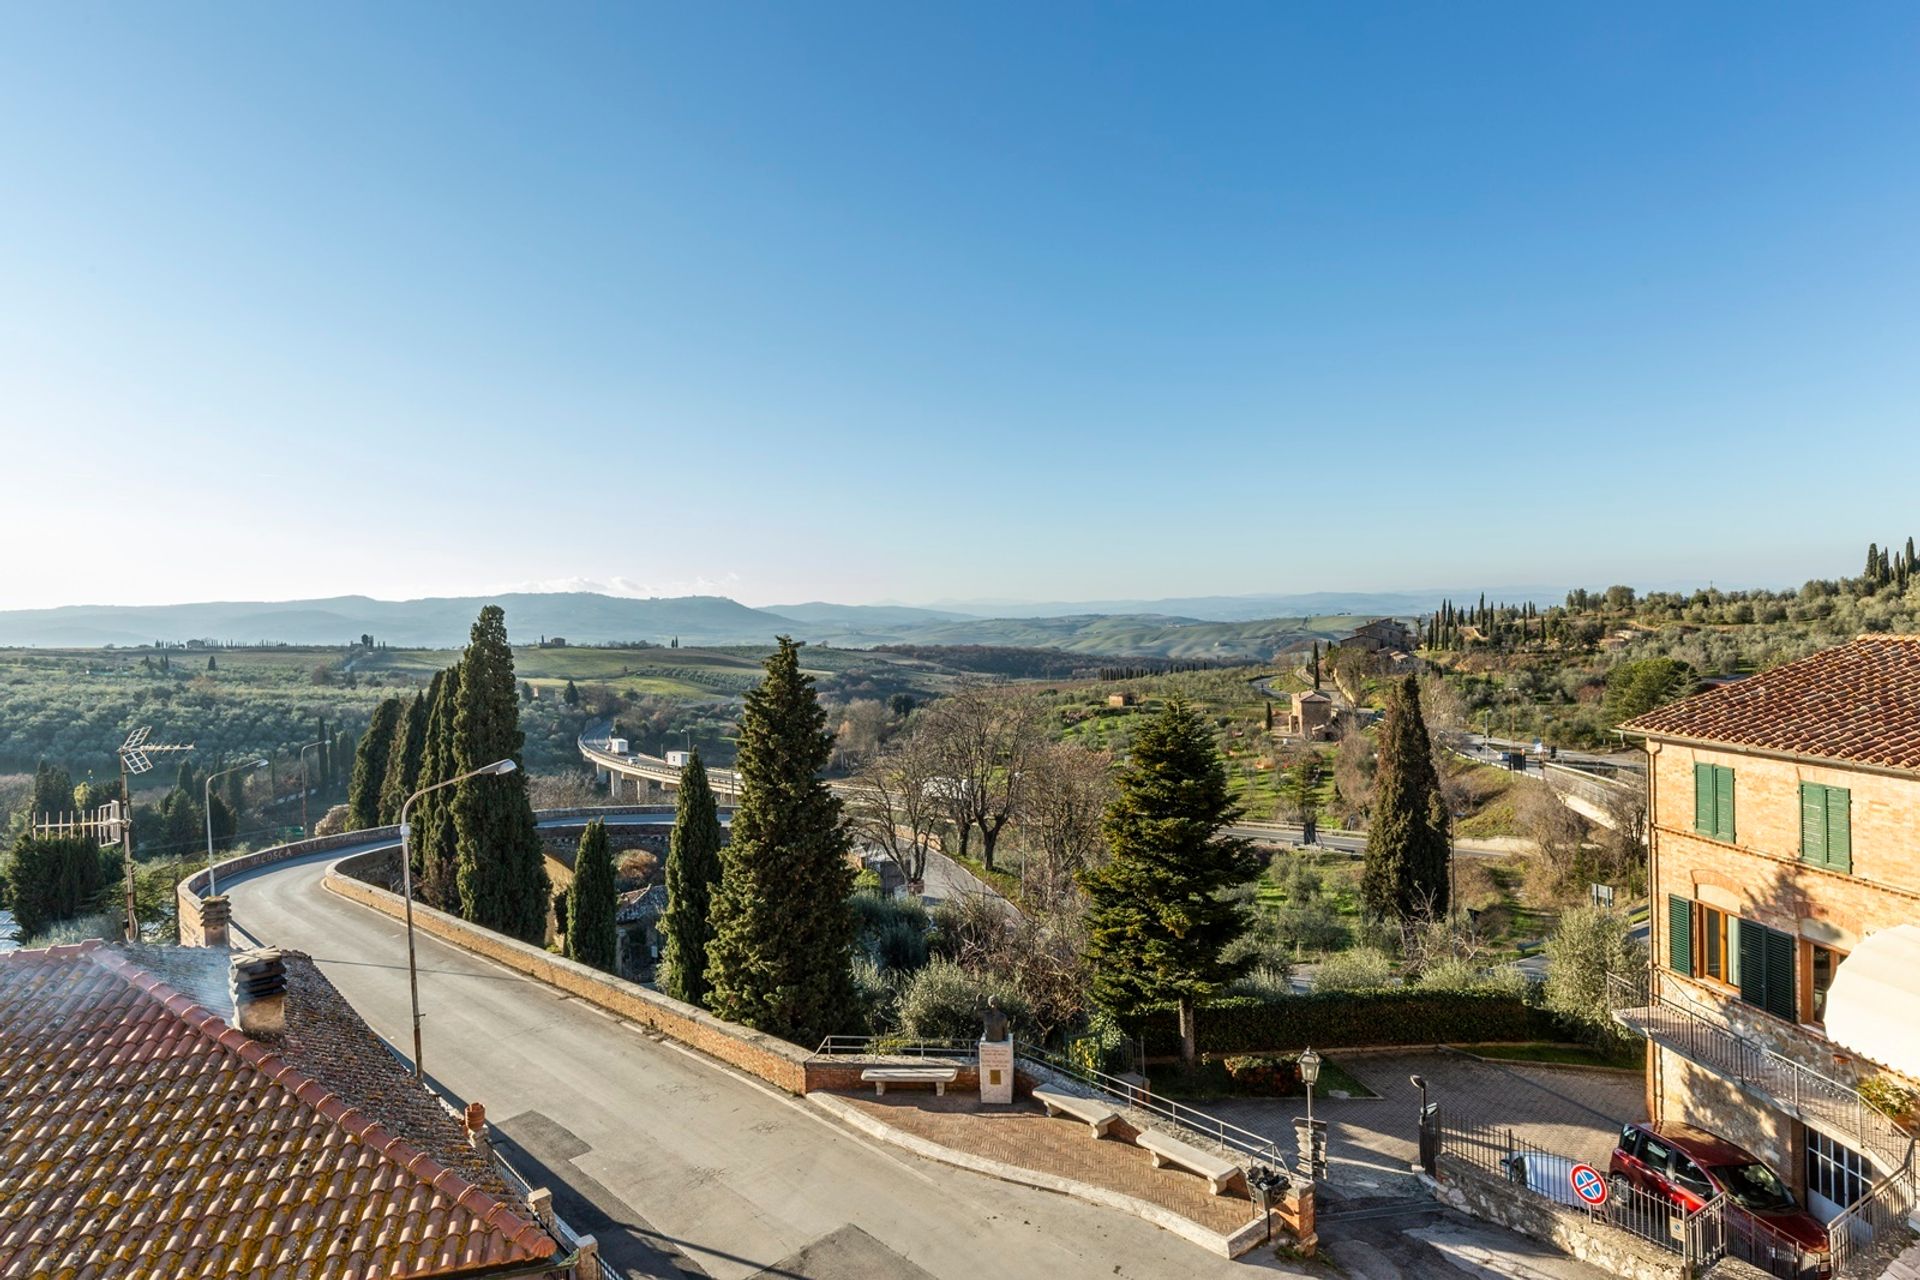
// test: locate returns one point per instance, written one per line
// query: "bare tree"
(1353, 764)
(986, 741)
(1352, 667)
(898, 803)
(1065, 802)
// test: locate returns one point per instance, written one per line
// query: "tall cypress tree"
(693, 873)
(502, 873)
(435, 841)
(403, 761)
(1405, 876)
(370, 766)
(52, 791)
(1157, 920)
(590, 901)
(781, 955)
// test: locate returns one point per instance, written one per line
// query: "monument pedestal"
(996, 1072)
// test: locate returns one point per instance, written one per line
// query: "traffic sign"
(1588, 1184)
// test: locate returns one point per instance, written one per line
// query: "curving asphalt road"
(677, 1164)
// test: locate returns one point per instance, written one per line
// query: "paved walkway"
(1024, 1136)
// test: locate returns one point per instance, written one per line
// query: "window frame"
(1715, 802)
(1807, 1003)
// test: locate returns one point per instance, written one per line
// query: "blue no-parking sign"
(1588, 1184)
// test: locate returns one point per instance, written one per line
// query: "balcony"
(1688, 1028)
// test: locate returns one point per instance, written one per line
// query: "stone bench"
(881, 1077)
(1217, 1170)
(1097, 1114)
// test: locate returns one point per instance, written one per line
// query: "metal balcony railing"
(1800, 1091)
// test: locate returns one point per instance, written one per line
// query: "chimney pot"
(258, 983)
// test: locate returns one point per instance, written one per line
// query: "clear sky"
(910, 302)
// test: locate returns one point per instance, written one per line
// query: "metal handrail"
(1755, 1067)
(1859, 1234)
(901, 1047)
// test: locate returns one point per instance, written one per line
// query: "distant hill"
(1254, 608)
(587, 618)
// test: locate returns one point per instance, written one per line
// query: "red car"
(1687, 1167)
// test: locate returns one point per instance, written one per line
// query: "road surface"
(658, 1150)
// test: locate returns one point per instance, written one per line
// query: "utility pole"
(133, 754)
(306, 830)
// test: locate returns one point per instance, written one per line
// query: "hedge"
(1353, 1019)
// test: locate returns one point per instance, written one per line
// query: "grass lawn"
(1625, 1058)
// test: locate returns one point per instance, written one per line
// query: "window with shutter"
(1723, 803)
(1783, 996)
(1752, 950)
(1840, 829)
(1703, 799)
(1813, 823)
(1680, 934)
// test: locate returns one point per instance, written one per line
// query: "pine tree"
(435, 841)
(1405, 875)
(403, 761)
(502, 873)
(370, 766)
(781, 955)
(591, 938)
(1158, 920)
(572, 695)
(693, 873)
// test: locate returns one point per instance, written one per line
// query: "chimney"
(215, 912)
(258, 983)
(477, 1129)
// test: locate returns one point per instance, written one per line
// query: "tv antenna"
(135, 759)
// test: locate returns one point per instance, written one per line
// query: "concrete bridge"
(645, 768)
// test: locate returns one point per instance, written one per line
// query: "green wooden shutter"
(1783, 996)
(1723, 803)
(1703, 798)
(1813, 823)
(1839, 831)
(1753, 963)
(1680, 934)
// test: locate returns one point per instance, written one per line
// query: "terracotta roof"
(636, 905)
(1858, 703)
(143, 1138)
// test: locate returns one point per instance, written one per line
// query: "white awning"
(1873, 1007)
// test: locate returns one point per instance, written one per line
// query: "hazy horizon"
(866, 303)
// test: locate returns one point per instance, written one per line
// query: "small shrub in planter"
(1263, 1077)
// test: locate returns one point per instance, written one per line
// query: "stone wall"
(188, 892)
(1618, 1253)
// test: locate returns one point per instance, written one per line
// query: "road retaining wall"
(765, 1057)
(1618, 1253)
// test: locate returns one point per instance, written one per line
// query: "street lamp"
(207, 808)
(306, 830)
(1309, 1074)
(497, 768)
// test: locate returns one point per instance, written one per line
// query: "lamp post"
(1309, 1074)
(207, 809)
(495, 769)
(1312, 1147)
(306, 830)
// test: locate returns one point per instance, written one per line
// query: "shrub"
(53, 880)
(333, 822)
(945, 1002)
(1263, 1076)
(1456, 973)
(1268, 981)
(78, 929)
(1352, 1019)
(898, 947)
(1361, 969)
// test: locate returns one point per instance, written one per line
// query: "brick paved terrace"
(1022, 1135)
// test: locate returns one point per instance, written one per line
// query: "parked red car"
(1687, 1167)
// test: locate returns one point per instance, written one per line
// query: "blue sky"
(903, 302)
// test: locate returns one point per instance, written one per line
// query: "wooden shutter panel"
(1703, 797)
(1680, 934)
(1839, 832)
(1753, 963)
(1783, 995)
(1723, 803)
(1813, 823)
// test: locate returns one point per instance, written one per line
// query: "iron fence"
(1873, 1230)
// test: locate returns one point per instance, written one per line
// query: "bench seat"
(1098, 1115)
(1166, 1150)
(881, 1077)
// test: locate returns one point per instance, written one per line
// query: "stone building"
(1785, 874)
(1311, 716)
(1382, 635)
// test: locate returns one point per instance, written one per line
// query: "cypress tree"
(370, 766)
(237, 795)
(1405, 875)
(52, 791)
(781, 955)
(53, 880)
(693, 873)
(322, 766)
(572, 695)
(186, 780)
(403, 761)
(590, 901)
(434, 838)
(1158, 921)
(501, 871)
